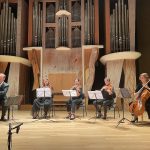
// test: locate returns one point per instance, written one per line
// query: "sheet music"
(40, 92)
(95, 94)
(48, 92)
(73, 93)
(43, 92)
(68, 93)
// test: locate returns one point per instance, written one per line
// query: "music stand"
(43, 92)
(95, 95)
(11, 101)
(71, 94)
(125, 94)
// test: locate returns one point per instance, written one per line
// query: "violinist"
(144, 78)
(108, 95)
(73, 102)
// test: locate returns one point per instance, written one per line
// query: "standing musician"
(143, 96)
(73, 102)
(42, 101)
(108, 95)
(3, 99)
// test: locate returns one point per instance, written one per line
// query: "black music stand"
(95, 95)
(125, 94)
(71, 94)
(11, 101)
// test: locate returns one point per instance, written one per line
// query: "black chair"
(114, 107)
(40, 113)
(83, 105)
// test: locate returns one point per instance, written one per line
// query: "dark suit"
(3, 98)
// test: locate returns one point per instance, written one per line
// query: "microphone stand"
(10, 134)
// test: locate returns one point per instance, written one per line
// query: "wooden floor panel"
(62, 134)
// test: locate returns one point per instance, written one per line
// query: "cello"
(137, 107)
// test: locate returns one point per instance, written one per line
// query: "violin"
(77, 88)
(137, 107)
(107, 88)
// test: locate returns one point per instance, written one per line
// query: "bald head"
(2, 77)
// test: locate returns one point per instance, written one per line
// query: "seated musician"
(3, 99)
(74, 101)
(144, 78)
(108, 95)
(43, 101)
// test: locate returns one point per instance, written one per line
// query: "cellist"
(144, 78)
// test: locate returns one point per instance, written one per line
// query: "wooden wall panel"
(34, 57)
(18, 81)
(3, 66)
(61, 81)
(87, 54)
(62, 61)
(107, 26)
(13, 79)
(24, 83)
(132, 15)
(22, 33)
(30, 24)
(90, 71)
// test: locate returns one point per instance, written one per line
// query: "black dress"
(147, 104)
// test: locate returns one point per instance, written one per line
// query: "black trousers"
(147, 107)
(45, 102)
(102, 102)
(72, 103)
(4, 107)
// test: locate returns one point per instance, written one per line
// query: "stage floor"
(61, 134)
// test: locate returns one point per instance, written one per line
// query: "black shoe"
(104, 118)
(35, 116)
(68, 117)
(3, 119)
(72, 117)
(135, 120)
(99, 115)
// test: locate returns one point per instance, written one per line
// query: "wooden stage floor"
(82, 134)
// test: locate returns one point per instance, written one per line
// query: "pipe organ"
(89, 22)
(63, 25)
(119, 26)
(37, 23)
(65, 30)
(8, 27)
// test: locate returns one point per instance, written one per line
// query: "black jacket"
(3, 90)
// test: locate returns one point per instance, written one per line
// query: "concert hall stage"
(58, 133)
